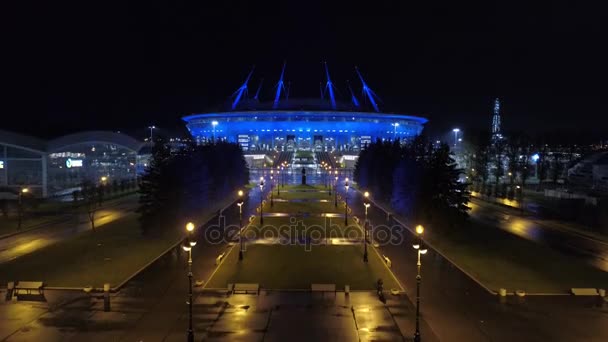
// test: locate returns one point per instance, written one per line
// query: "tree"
(153, 191)
(557, 168)
(421, 182)
(498, 171)
(177, 185)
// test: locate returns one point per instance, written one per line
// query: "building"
(59, 166)
(284, 124)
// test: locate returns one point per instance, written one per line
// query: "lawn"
(501, 260)
(295, 266)
(109, 255)
(292, 267)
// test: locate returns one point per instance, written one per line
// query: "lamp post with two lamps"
(366, 204)
(456, 130)
(336, 191)
(261, 200)
(279, 175)
(346, 202)
(419, 248)
(240, 204)
(189, 243)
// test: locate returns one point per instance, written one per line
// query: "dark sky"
(100, 65)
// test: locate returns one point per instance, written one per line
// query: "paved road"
(546, 232)
(458, 309)
(18, 245)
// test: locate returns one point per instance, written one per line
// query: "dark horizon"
(125, 68)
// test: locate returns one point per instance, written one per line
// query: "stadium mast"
(257, 93)
(368, 92)
(329, 87)
(280, 86)
(238, 94)
(352, 95)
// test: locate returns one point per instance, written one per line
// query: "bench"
(246, 288)
(28, 287)
(584, 291)
(323, 287)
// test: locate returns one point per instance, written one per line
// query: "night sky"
(85, 65)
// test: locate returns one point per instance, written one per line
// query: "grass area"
(501, 260)
(318, 226)
(304, 154)
(109, 255)
(292, 267)
(10, 225)
(319, 194)
(49, 211)
(294, 207)
(280, 266)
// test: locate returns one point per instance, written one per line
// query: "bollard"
(106, 297)
(502, 295)
(521, 295)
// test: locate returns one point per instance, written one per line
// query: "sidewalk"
(271, 316)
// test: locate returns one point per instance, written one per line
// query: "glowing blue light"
(535, 157)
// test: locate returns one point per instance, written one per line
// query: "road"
(18, 245)
(594, 251)
(458, 309)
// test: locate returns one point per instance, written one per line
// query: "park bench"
(246, 288)
(323, 288)
(584, 291)
(28, 287)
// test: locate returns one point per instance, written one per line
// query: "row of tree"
(498, 167)
(419, 180)
(177, 185)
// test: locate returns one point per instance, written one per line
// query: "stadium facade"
(285, 124)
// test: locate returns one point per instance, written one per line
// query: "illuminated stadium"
(325, 124)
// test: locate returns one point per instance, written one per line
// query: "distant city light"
(456, 130)
(535, 157)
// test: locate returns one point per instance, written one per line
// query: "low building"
(58, 167)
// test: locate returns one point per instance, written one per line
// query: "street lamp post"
(346, 202)
(456, 130)
(152, 128)
(261, 200)
(366, 204)
(189, 243)
(418, 247)
(20, 206)
(395, 125)
(214, 123)
(240, 204)
(329, 180)
(279, 177)
(271, 190)
(336, 191)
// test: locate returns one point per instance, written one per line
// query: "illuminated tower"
(496, 135)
